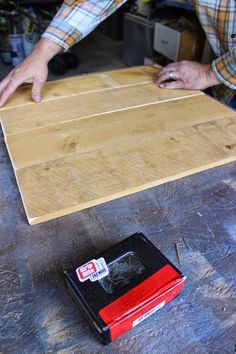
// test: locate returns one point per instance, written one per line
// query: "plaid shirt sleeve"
(218, 19)
(224, 68)
(77, 18)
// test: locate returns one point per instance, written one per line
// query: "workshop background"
(140, 32)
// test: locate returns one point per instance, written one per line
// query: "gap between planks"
(101, 113)
(74, 95)
(107, 174)
(105, 77)
(71, 156)
(27, 148)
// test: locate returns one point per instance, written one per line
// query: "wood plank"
(89, 146)
(80, 136)
(84, 83)
(76, 182)
(25, 118)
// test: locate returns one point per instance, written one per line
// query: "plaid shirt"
(77, 18)
(218, 19)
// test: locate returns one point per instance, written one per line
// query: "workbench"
(38, 314)
(191, 220)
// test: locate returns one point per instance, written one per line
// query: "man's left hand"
(187, 75)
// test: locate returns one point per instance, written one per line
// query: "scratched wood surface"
(197, 213)
(103, 136)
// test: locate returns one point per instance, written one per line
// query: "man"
(77, 18)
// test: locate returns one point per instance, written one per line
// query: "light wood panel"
(81, 136)
(69, 184)
(84, 83)
(72, 108)
(75, 152)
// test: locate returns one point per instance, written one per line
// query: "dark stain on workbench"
(196, 215)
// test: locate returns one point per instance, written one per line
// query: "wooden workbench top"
(195, 213)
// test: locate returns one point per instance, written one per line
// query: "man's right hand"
(34, 69)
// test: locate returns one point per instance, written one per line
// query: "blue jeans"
(232, 102)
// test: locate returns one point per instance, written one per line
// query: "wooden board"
(99, 137)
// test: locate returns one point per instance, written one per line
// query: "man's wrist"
(212, 79)
(47, 49)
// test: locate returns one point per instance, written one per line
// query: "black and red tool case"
(139, 282)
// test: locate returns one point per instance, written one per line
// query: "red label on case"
(160, 287)
(86, 270)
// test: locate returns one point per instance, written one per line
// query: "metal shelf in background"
(179, 4)
(32, 2)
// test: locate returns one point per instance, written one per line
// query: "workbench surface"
(196, 214)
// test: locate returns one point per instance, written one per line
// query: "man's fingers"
(171, 66)
(163, 77)
(4, 83)
(36, 90)
(9, 89)
(168, 68)
(168, 75)
(179, 84)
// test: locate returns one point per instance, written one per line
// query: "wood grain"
(81, 150)
(79, 181)
(84, 83)
(103, 131)
(25, 118)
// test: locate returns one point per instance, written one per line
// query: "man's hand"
(187, 75)
(34, 69)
